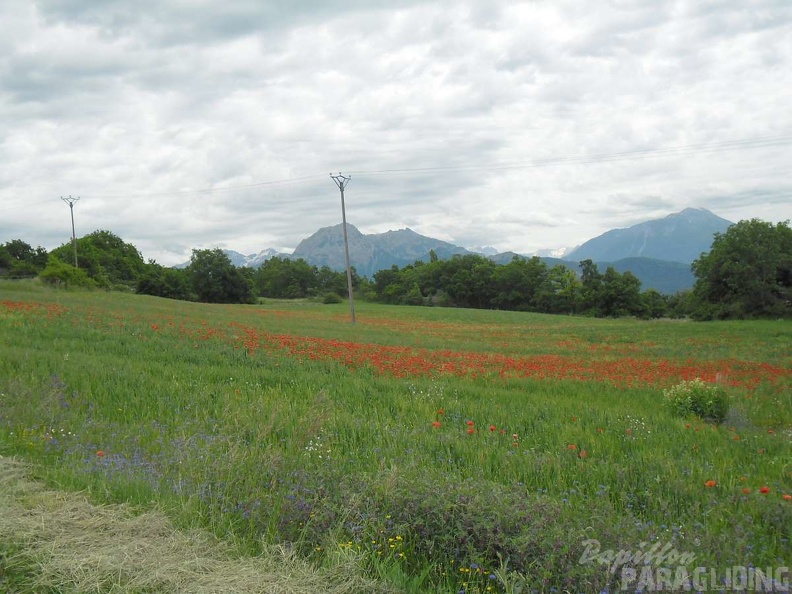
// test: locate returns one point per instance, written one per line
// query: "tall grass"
(267, 425)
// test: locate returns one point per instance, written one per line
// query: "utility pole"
(342, 181)
(70, 201)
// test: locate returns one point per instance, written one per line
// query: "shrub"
(59, 273)
(331, 298)
(707, 401)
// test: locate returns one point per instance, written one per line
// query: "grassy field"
(444, 450)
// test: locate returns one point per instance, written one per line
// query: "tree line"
(521, 285)
(747, 273)
(105, 261)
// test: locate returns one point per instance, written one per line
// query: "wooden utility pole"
(342, 181)
(70, 201)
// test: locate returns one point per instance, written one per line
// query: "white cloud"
(495, 109)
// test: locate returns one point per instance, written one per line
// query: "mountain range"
(659, 252)
(679, 237)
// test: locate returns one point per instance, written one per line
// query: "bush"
(332, 298)
(708, 401)
(58, 273)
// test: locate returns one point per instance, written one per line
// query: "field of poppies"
(453, 450)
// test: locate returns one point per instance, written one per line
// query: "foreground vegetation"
(449, 450)
(74, 545)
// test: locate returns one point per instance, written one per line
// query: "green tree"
(387, 284)
(655, 305)
(559, 292)
(591, 283)
(283, 278)
(106, 258)
(20, 260)
(59, 273)
(5, 260)
(747, 273)
(468, 281)
(619, 294)
(214, 279)
(413, 296)
(516, 284)
(330, 281)
(159, 281)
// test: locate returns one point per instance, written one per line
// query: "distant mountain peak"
(486, 250)
(373, 252)
(553, 252)
(677, 237)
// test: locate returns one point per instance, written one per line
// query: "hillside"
(658, 252)
(679, 237)
(371, 253)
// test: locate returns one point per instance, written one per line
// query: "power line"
(682, 150)
(293, 180)
(596, 158)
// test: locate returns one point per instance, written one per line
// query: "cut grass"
(59, 541)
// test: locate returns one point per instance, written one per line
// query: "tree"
(386, 284)
(159, 281)
(747, 273)
(5, 260)
(58, 273)
(215, 279)
(591, 281)
(414, 296)
(655, 305)
(330, 281)
(619, 294)
(106, 258)
(559, 292)
(18, 259)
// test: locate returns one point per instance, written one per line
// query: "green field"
(446, 450)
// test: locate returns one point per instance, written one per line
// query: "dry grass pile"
(76, 546)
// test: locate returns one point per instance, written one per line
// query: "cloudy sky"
(187, 124)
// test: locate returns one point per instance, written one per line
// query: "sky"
(195, 124)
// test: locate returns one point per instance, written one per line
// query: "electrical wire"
(675, 151)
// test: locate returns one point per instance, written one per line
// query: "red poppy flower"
(787, 497)
(471, 431)
(493, 427)
(470, 423)
(572, 446)
(710, 483)
(764, 490)
(100, 453)
(440, 411)
(436, 424)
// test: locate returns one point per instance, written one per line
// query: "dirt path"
(65, 543)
